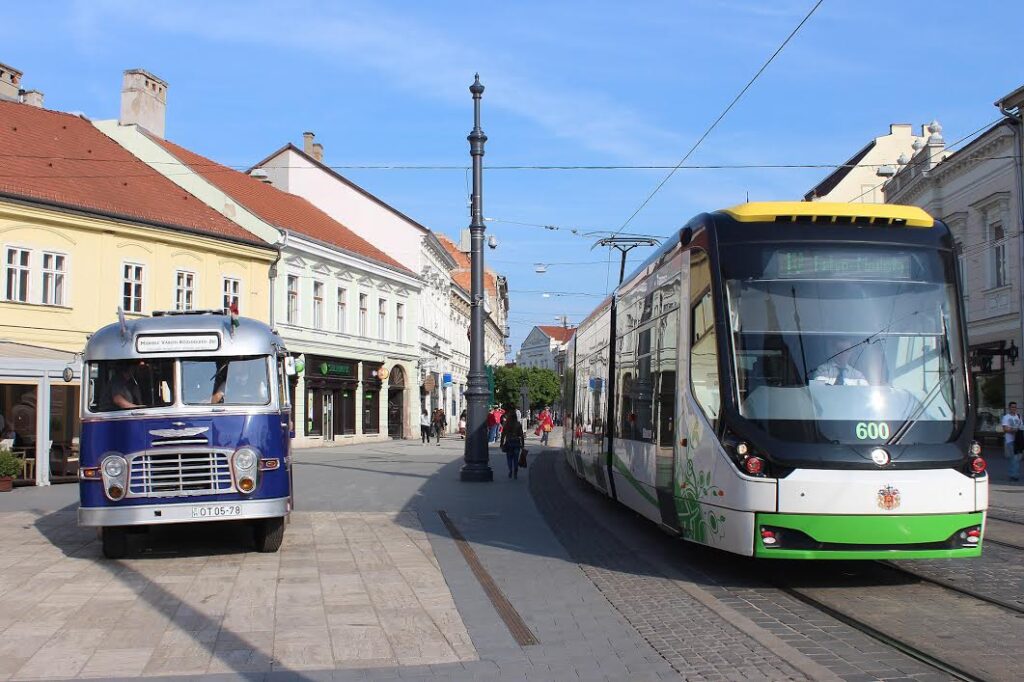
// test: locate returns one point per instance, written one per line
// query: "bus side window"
(703, 343)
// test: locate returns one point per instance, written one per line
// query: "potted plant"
(10, 466)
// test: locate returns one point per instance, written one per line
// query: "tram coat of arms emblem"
(888, 498)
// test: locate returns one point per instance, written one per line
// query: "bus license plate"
(216, 512)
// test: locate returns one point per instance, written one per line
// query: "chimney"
(10, 83)
(33, 98)
(144, 101)
(307, 142)
(318, 151)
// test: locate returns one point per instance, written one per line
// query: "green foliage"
(9, 464)
(543, 384)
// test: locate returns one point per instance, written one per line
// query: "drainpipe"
(1016, 118)
(272, 273)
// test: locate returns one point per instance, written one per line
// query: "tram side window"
(116, 385)
(704, 380)
(228, 381)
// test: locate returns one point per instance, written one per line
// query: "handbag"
(522, 458)
(547, 428)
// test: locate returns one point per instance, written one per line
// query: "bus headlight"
(114, 472)
(245, 464)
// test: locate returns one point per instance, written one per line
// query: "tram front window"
(228, 381)
(846, 344)
(116, 385)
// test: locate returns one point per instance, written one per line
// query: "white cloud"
(417, 58)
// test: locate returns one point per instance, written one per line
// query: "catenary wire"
(721, 116)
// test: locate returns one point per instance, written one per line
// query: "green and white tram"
(787, 380)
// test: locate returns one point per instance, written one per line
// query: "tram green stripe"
(640, 487)
(874, 529)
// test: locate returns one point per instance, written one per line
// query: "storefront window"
(371, 411)
(18, 430)
(989, 384)
(65, 430)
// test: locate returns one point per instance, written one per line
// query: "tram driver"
(837, 370)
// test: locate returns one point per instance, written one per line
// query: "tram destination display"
(839, 264)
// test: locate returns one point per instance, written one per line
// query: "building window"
(184, 290)
(362, 314)
(232, 293)
(293, 299)
(318, 305)
(18, 268)
(54, 273)
(400, 322)
(382, 319)
(342, 309)
(998, 237)
(131, 294)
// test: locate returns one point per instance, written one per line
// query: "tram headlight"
(975, 448)
(742, 449)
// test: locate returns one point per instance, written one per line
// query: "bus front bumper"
(159, 512)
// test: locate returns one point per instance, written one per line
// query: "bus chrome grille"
(172, 474)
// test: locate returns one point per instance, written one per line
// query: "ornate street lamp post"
(476, 466)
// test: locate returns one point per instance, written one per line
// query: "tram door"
(328, 415)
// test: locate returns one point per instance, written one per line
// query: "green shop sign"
(335, 369)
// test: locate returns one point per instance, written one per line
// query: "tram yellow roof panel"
(830, 212)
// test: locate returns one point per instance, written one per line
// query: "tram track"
(880, 636)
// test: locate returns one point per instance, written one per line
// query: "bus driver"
(125, 392)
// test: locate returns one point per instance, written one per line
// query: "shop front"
(396, 403)
(331, 387)
(373, 375)
(39, 412)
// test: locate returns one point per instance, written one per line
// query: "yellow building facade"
(66, 274)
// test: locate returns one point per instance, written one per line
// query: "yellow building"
(85, 228)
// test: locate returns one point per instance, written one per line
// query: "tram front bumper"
(909, 536)
(176, 511)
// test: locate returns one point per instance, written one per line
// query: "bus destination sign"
(176, 343)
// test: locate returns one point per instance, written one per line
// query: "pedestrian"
(492, 425)
(425, 426)
(512, 444)
(440, 424)
(462, 425)
(545, 424)
(1011, 426)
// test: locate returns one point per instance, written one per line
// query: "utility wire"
(720, 117)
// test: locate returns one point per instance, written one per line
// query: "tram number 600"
(872, 430)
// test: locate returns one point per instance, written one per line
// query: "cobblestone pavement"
(584, 518)
(997, 573)
(347, 590)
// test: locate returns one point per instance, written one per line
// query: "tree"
(543, 384)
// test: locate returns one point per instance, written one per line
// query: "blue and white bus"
(185, 418)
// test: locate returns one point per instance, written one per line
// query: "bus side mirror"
(289, 366)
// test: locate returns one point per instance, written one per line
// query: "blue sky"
(604, 83)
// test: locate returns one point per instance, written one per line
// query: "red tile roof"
(62, 159)
(560, 334)
(279, 208)
(462, 272)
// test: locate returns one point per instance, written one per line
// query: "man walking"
(1011, 425)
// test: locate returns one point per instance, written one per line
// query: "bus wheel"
(269, 533)
(115, 542)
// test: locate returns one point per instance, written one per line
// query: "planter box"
(6, 484)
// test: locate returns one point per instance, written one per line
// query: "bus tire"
(115, 542)
(269, 533)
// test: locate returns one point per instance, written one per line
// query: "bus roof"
(198, 334)
(826, 212)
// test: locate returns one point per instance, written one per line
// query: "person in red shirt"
(492, 425)
(545, 423)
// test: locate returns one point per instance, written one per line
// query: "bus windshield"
(846, 343)
(116, 385)
(227, 381)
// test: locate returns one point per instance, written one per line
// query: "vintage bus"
(787, 380)
(185, 418)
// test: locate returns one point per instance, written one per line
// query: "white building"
(341, 304)
(441, 326)
(976, 191)
(858, 178)
(542, 346)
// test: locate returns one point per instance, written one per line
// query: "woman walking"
(425, 426)
(512, 443)
(545, 424)
(440, 424)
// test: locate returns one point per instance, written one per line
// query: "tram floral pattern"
(698, 522)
